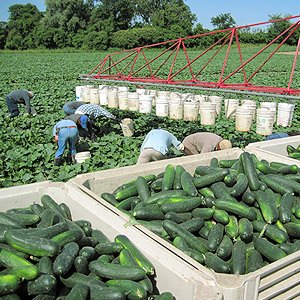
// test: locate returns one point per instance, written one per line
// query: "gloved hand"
(180, 147)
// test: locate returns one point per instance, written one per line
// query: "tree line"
(104, 24)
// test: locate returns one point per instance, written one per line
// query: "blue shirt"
(160, 140)
(62, 123)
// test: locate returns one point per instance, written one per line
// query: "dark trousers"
(12, 107)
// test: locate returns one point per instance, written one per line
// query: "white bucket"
(208, 113)
(163, 94)
(176, 109)
(112, 98)
(122, 88)
(243, 119)
(133, 101)
(264, 121)
(162, 106)
(251, 105)
(127, 127)
(94, 96)
(272, 106)
(200, 98)
(103, 97)
(230, 107)
(285, 114)
(175, 96)
(217, 100)
(82, 156)
(145, 104)
(78, 92)
(141, 91)
(86, 93)
(190, 110)
(123, 100)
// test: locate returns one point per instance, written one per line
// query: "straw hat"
(225, 144)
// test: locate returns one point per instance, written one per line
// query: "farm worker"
(65, 133)
(94, 111)
(70, 107)
(19, 97)
(84, 125)
(156, 145)
(276, 135)
(203, 142)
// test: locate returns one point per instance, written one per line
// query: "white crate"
(172, 274)
(277, 147)
(274, 281)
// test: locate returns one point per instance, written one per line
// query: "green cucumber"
(142, 188)
(164, 194)
(248, 198)
(99, 236)
(238, 263)
(44, 284)
(154, 226)
(212, 261)
(206, 192)
(197, 256)
(293, 229)
(225, 248)
(209, 179)
(126, 204)
(193, 225)
(26, 219)
(66, 209)
(276, 186)
(181, 204)
(45, 266)
(156, 185)
(266, 169)
(230, 180)
(188, 184)
(265, 206)
(147, 284)
(126, 192)
(254, 261)
(250, 170)
(178, 217)
(221, 216)
(240, 187)
(9, 284)
(88, 252)
(285, 208)
(232, 228)
(108, 248)
(48, 202)
(290, 169)
(8, 219)
(227, 163)
(168, 178)
(215, 237)
(107, 293)
(110, 198)
(126, 258)
(221, 191)
(72, 235)
(180, 243)
(81, 264)
(245, 230)
(205, 213)
(268, 249)
(75, 278)
(78, 292)
(177, 177)
(149, 212)
(47, 218)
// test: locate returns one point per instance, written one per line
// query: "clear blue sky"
(243, 12)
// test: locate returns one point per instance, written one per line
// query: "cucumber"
(290, 169)
(110, 198)
(290, 149)
(108, 248)
(245, 230)
(221, 191)
(276, 186)
(227, 163)
(66, 210)
(48, 202)
(149, 212)
(295, 155)
(197, 256)
(209, 201)
(142, 261)
(238, 263)
(204, 170)
(294, 185)
(293, 229)
(207, 192)
(45, 266)
(126, 204)
(209, 179)
(204, 231)
(9, 284)
(117, 271)
(232, 228)
(72, 235)
(88, 252)
(64, 261)
(168, 178)
(221, 216)
(204, 213)
(127, 259)
(44, 284)
(250, 171)
(188, 185)
(47, 218)
(154, 226)
(273, 203)
(214, 162)
(78, 292)
(177, 177)
(164, 194)
(126, 192)
(3, 229)
(32, 245)
(285, 208)
(178, 217)
(270, 231)
(248, 198)
(99, 236)
(193, 225)
(181, 204)
(156, 185)
(266, 169)
(180, 243)
(132, 289)
(8, 219)
(215, 237)
(75, 278)
(81, 264)
(225, 248)
(107, 293)
(237, 208)
(37, 209)
(26, 219)
(230, 180)
(174, 229)
(265, 206)
(212, 261)
(142, 188)
(254, 261)
(147, 284)
(268, 249)
(240, 187)
(165, 296)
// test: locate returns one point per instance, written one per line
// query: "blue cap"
(83, 121)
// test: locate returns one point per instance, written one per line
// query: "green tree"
(223, 21)
(21, 25)
(3, 34)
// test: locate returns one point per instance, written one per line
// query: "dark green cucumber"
(66, 209)
(75, 278)
(273, 203)
(142, 261)
(45, 266)
(168, 178)
(270, 231)
(72, 235)
(265, 206)
(180, 243)
(238, 263)
(266, 169)
(292, 184)
(81, 264)
(127, 259)
(149, 212)
(221, 191)
(26, 219)
(188, 184)
(177, 177)
(204, 170)
(221, 216)
(164, 194)
(117, 271)
(64, 261)
(268, 249)
(48, 202)
(147, 284)
(181, 204)
(290, 169)
(47, 218)
(276, 186)
(204, 213)
(196, 255)
(206, 192)
(212, 261)
(165, 296)
(209, 179)
(126, 192)
(154, 226)
(8, 219)
(215, 237)
(285, 208)
(227, 163)
(250, 170)
(248, 198)
(232, 228)
(245, 230)
(240, 187)
(254, 261)
(127, 203)
(174, 229)
(178, 217)
(107, 293)
(99, 236)
(88, 252)
(290, 149)
(142, 188)
(225, 248)
(44, 284)
(293, 229)
(193, 225)
(110, 198)
(108, 248)
(156, 185)
(78, 292)
(230, 180)
(237, 208)
(9, 284)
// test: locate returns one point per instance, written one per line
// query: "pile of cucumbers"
(45, 255)
(234, 216)
(293, 152)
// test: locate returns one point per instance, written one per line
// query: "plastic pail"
(251, 105)
(78, 92)
(243, 119)
(285, 114)
(103, 96)
(94, 96)
(123, 88)
(86, 93)
(127, 127)
(217, 100)
(82, 156)
(145, 104)
(163, 94)
(190, 110)
(272, 108)
(175, 96)
(230, 107)
(162, 106)
(264, 121)
(141, 91)
(112, 98)
(123, 100)
(208, 113)
(176, 109)
(133, 101)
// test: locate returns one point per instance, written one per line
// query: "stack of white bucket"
(285, 114)
(265, 118)
(210, 108)
(244, 115)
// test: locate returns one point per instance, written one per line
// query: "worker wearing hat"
(84, 125)
(70, 107)
(203, 142)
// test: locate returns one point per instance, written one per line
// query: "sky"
(244, 12)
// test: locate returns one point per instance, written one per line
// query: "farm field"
(27, 148)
